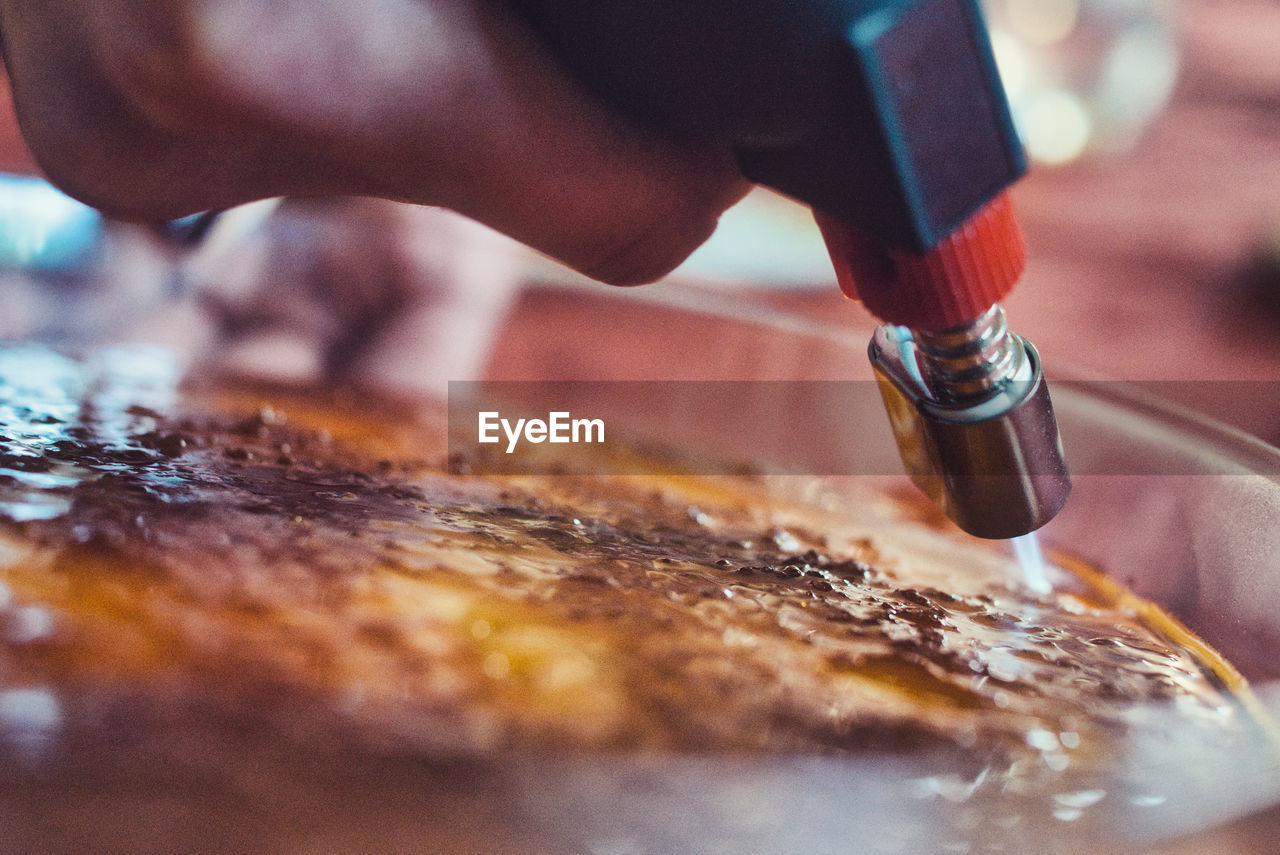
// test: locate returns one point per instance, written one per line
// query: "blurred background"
(1152, 214)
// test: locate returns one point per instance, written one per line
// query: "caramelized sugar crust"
(298, 561)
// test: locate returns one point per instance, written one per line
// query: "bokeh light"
(1084, 75)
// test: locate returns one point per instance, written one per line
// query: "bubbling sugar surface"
(278, 606)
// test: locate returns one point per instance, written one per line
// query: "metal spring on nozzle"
(967, 362)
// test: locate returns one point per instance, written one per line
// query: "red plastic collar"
(972, 268)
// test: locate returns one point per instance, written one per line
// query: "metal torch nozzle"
(974, 424)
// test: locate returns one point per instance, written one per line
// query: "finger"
(98, 133)
(445, 103)
(14, 156)
(453, 103)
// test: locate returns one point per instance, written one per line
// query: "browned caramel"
(200, 574)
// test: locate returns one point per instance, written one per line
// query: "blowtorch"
(888, 118)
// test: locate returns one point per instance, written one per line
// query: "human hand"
(153, 109)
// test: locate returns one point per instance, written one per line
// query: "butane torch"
(888, 118)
